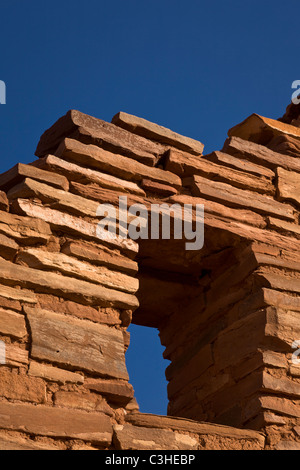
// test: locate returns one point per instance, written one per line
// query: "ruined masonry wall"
(67, 299)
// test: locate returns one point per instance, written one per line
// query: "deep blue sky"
(197, 67)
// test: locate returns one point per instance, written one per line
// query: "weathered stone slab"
(115, 391)
(20, 295)
(4, 205)
(103, 138)
(39, 259)
(56, 422)
(8, 247)
(283, 406)
(12, 177)
(90, 130)
(282, 225)
(241, 215)
(276, 281)
(82, 401)
(26, 229)
(283, 326)
(100, 256)
(188, 165)
(108, 316)
(82, 344)
(287, 445)
(188, 425)
(241, 198)
(130, 437)
(261, 130)
(15, 356)
(281, 386)
(280, 299)
(286, 145)
(21, 387)
(71, 224)
(157, 188)
(240, 164)
(288, 183)
(54, 374)
(117, 165)
(58, 199)
(259, 154)
(85, 175)
(294, 370)
(158, 133)
(12, 324)
(14, 442)
(68, 202)
(65, 286)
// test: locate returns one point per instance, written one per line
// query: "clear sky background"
(197, 67)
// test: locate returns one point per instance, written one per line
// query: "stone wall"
(227, 314)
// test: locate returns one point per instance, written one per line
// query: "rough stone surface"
(19, 172)
(63, 423)
(117, 165)
(158, 133)
(77, 343)
(54, 373)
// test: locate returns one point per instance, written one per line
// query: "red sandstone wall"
(227, 315)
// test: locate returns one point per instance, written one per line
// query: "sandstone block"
(157, 188)
(54, 374)
(83, 401)
(19, 172)
(12, 324)
(187, 165)
(8, 247)
(4, 205)
(56, 422)
(15, 356)
(241, 198)
(108, 316)
(74, 225)
(284, 226)
(117, 165)
(188, 425)
(240, 164)
(157, 133)
(100, 256)
(115, 391)
(261, 130)
(77, 343)
(26, 229)
(21, 295)
(259, 154)
(85, 175)
(129, 437)
(90, 130)
(288, 183)
(65, 286)
(241, 215)
(70, 266)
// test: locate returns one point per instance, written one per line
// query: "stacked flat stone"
(227, 315)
